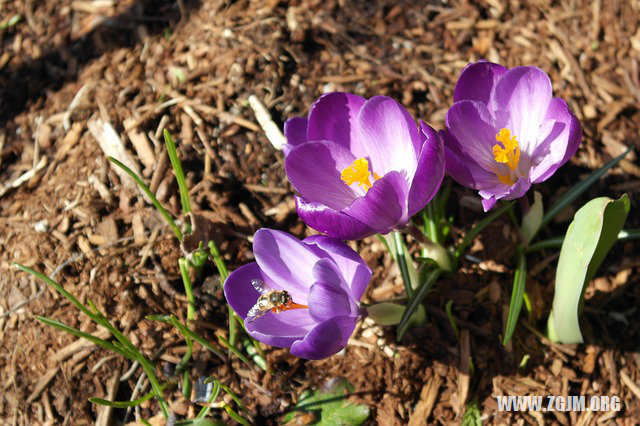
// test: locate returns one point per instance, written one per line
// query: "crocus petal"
(281, 329)
(500, 191)
(522, 96)
(354, 270)
(477, 80)
(430, 171)
(333, 118)
(384, 206)
(391, 136)
(461, 167)
(295, 130)
(331, 222)
(314, 169)
(329, 297)
(560, 144)
(285, 259)
(326, 339)
(471, 124)
(238, 290)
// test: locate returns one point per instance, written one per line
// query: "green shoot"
(452, 319)
(123, 346)
(125, 404)
(214, 394)
(165, 214)
(179, 173)
(188, 288)
(519, 283)
(232, 413)
(235, 351)
(402, 263)
(170, 319)
(415, 301)
(224, 273)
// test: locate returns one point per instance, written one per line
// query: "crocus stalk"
(324, 279)
(505, 131)
(361, 167)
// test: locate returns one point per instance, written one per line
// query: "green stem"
(165, 214)
(415, 300)
(402, 264)
(179, 173)
(224, 273)
(188, 288)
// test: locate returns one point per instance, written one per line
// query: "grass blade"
(214, 394)
(479, 227)
(170, 319)
(415, 301)
(179, 173)
(58, 288)
(403, 264)
(517, 296)
(579, 188)
(165, 214)
(452, 319)
(90, 337)
(235, 351)
(188, 288)
(224, 273)
(124, 404)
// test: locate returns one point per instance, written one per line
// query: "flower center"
(358, 172)
(508, 153)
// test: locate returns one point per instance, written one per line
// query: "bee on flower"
(303, 295)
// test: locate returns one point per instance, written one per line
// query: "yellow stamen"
(509, 152)
(505, 179)
(358, 172)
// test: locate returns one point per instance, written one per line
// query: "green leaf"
(331, 407)
(90, 337)
(532, 219)
(125, 404)
(11, 22)
(473, 415)
(165, 214)
(578, 189)
(415, 302)
(199, 421)
(177, 170)
(406, 264)
(387, 313)
(517, 296)
(594, 229)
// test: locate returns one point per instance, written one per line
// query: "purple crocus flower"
(301, 295)
(361, 166)
(505, 131)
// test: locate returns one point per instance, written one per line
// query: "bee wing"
(260, 286)
(255, 312)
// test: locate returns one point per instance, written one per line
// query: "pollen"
(509, 152)
(358, 172)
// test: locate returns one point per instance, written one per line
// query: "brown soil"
(66, 64)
